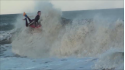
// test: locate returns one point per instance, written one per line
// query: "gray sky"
(18, 6)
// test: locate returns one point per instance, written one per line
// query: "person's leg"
(26, 22)
(29, 19)
(32, 22)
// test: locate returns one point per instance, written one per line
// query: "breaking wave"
(79, 38)
(82, 37)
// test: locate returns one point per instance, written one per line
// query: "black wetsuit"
(33, 20)
(37, 18)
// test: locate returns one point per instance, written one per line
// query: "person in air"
(33, 21)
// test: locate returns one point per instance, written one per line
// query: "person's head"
(39, 12)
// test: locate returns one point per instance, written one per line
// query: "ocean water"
(92, 33)
(89, 14)
(6, 22)
(83, 37)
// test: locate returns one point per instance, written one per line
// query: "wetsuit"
(36, 19)
(32, 21)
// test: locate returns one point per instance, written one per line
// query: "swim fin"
(24, 14)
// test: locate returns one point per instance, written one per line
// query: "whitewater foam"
(81, 38)
(111, 59)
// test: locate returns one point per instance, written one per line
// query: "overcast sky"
(18, 6)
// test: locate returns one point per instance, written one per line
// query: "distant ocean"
(7, 20)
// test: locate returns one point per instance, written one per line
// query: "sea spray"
(81, 38)
(28, 42)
